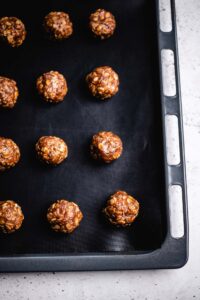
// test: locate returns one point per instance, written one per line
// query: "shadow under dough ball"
(102, 23)
(64, 216)
(52, 86)
(103, 82)
(13, 31)
(8, 92)
(11, 216)
(121, 209)
(106, 146)
(9, 153)
(58, 25)
(51, 150)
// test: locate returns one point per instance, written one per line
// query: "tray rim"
(173, 252)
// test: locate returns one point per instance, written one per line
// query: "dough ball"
(11, 216)
(13, 31)
(102, 23)
(58, 24)
(103, 82)
(8, 92)
(121, 209)
(9, 153)
(52, 150)
(106, 146)
(64, 216)
(52, 86)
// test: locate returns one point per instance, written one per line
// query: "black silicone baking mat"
(135, 114)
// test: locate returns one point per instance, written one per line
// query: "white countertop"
(181, 284)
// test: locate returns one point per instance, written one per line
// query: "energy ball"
(9, 153)
(102, 23)
(12, 30)
(11, 216)
(8, 92)
(106, 146)
(58, 24)
(51, 149)
(121, 209)
(103, 82)
(52, 86)
(64, 216)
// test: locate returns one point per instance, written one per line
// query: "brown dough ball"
(102, 23)
(8, 92)
(121, 209)
(58, 24)
(11, 216)
(12, 30)
(64, 216)
(52, 86)
(106, 146)
(103, 82)
(9, 153)
(52, 150)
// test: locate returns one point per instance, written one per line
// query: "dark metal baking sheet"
(136, 114)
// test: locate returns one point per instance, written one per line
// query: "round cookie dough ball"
(11, 216)
(64, 216)
(106, 146)
(12, 30)
(9, 153)
(102, 23)
(103, 82)
(52, 150)
(52, 86)
(121, 209)
(8, 92)
(58, 24)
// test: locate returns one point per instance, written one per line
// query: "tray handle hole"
(168, 72)
(176, 211)
(172, 139)
(165, 15)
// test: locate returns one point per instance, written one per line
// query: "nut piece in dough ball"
(11, 216)
(106, 146)
(103, 82)
(64, 216)
(8, 92)
(102, 23)
(121, 209)
(12, 30)
(52, 86)
(58, 24)
(9, 153)
(51, 149)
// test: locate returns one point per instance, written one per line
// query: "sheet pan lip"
(162, 258)
(168, 40)
(173, 253)
(89, 262)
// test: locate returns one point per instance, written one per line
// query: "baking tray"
(136, 113)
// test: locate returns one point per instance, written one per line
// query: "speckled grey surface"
(181, 284)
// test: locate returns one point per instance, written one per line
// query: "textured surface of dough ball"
(103, 82)
(64, 216)
(52, 86)
(9, 153)
(52, 150)
(12, 30)
(58, 24)
(121, 209)
(11, 216)
(106, 146)
(8, 92)
(102, 23)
